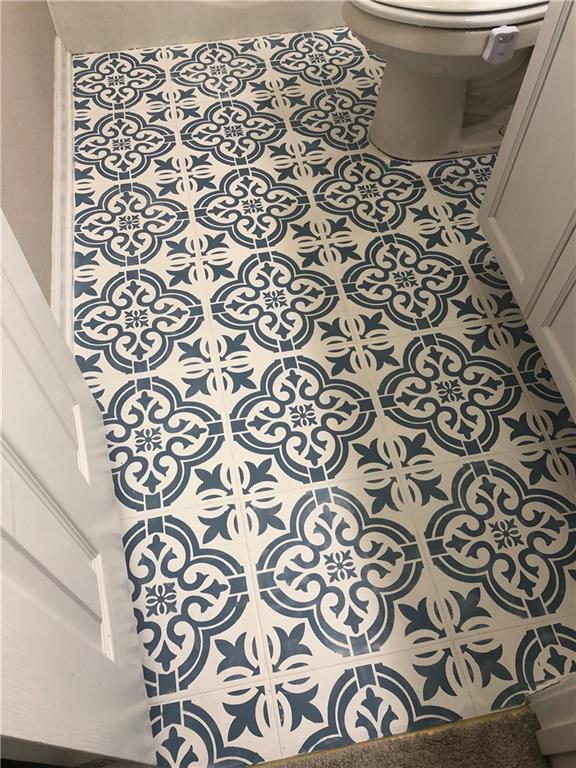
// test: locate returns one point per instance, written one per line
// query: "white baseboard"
(555, 708)
(63, 193)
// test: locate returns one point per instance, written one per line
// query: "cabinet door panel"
(553, 322)
(529, 211)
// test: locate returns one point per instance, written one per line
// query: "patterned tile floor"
(346, 475)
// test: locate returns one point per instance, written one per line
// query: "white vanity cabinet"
(529, 212)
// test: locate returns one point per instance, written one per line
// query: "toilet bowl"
(438, 96)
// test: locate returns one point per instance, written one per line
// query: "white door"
(71, 673)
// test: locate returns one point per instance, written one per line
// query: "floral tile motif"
(303, 418)
(462, 178)
(318, 58)
(464, 401)
(374, 195)
(128, 224)
(156, 437)
(345, 473)
(191, 603)
(394, 693)
(274, 301)
(226, 728)
(337, 116)
(252, 207)
(136, 320)
(505, 667)
(339, 580)
(410, 286)
(217, 70)
(122, 145)
(502, 540)
(233, 131)
(114, 81)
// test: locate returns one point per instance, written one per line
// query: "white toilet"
(439, 97)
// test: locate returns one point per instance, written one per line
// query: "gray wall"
(91, 25)
(27, 80)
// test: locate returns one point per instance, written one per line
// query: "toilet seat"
(456, 14)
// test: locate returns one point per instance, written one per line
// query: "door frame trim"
(62, 286)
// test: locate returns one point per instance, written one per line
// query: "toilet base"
(423, 117)
(480, 140)
(436, 103)
(407, 102)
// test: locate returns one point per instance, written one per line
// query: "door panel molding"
(72, 677)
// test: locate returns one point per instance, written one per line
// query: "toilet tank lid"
(461, 6)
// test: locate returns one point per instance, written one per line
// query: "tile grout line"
(496, 324)
(456, 461)
(236, 479)
(215, 364)
(374, 657)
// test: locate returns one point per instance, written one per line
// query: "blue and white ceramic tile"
(501, 537)
(318, 58)
(371, 192)
(191, 601)
(454, 394)
(462, 179)
(408, 281)
(127, 224)
(387, 695)
(341, 575)
(505, 666)
(309, 413)
(136, 321)
(225, 727)
(275, 304)
(162, 441)
(346, 476)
